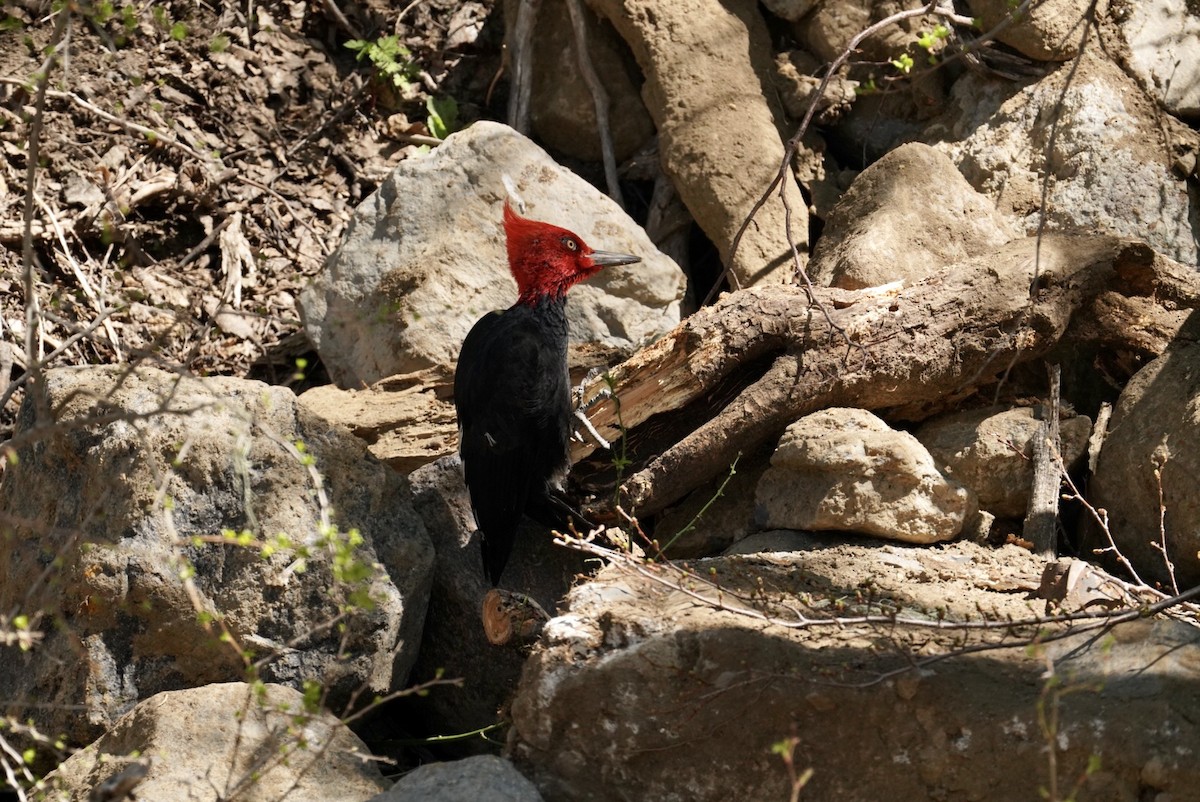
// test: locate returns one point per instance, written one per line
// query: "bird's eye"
(570, 244)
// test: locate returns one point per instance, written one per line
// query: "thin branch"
(599, 98)
(151, 134)
(521, 47)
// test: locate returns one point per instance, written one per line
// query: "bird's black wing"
(510, 389)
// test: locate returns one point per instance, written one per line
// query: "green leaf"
(104, 11)
(443, 116)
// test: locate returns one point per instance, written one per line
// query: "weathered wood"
(957, 329)
(406, 420)
(1041, 518)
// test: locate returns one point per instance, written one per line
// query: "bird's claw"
(587, 424)
(580, 391)
(582, 406)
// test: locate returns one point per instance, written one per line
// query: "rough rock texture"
(139, 464)
(903, 218)
(640, 691)
(562, 109)
(406, 421)
(790, 10)
(829, 28)
(876, 122)
(424, 258)
(797, 78)
(773, 540)
(705, 523)
(817, 168)
(991, 451)
(1155, 425)
(1163, 37)
(454, 639)
(485, 778)
(845, 470)
(1050, 31)
(1109, 170)
(224, 742)
(708, 65)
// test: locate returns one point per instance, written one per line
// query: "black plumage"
(512, 389)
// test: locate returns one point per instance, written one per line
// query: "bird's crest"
(545, 260)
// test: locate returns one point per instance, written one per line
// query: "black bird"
(511, 386)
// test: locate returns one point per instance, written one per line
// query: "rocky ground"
(828, 573)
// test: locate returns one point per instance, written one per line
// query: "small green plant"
(443, 116)
(128, 20)
(930, 40)
(620, 459)
(1049, 718)
(104, 11)
(933, 41)
(392, 60)
(786, 749)
(903, 62)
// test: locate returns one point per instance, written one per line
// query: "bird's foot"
(583, 404)
(587, 425)
(580, 391)
(511, 618)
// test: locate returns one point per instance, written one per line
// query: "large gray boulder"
(1089, 137)
(846, 470)
(483, 778)
(1153, 446)
(166, 532)
(424, 258)
(878, 233)
(1162, 49)
(991, 450)
(1048, 30)
(222, 742)
(655, 685)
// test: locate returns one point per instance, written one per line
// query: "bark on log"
(961, 327)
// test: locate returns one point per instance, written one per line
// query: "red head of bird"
(546, 260)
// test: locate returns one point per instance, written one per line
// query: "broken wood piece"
(1041, 520)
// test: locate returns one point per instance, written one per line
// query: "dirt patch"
(197, 167)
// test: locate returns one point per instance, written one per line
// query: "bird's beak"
(610, 259)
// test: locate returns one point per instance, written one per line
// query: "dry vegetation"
(195, 167)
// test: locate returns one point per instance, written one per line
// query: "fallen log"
(901, 347)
